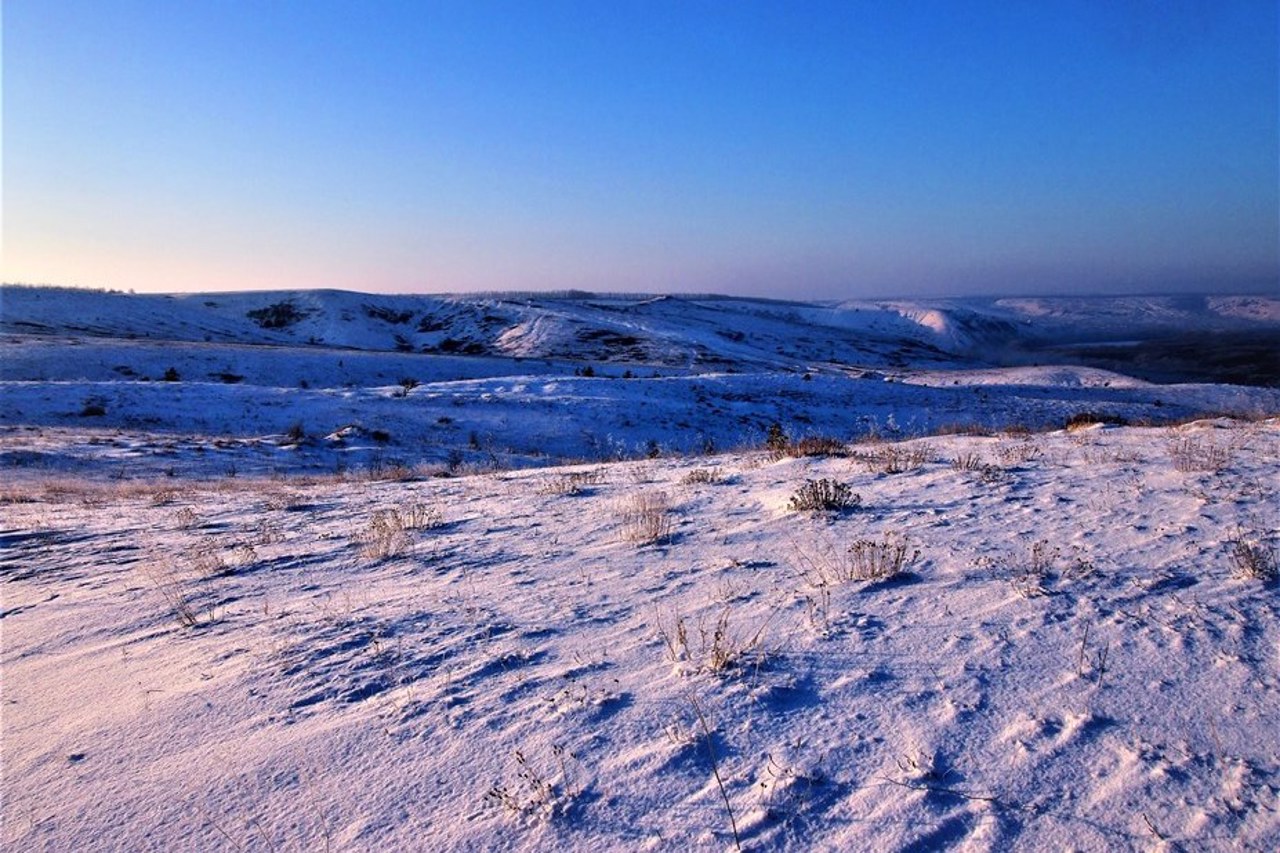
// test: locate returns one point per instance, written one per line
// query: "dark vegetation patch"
(279, 315)
(455, 346)
(1237, 358)
(608, 337)
(1085, 419)
(387, 315)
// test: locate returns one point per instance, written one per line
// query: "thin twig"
(715, 769)
(955, 792)
(221, 831)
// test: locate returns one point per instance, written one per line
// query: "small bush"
(420, 516)
(534, 793)
(1190, 454)
(824, 495)
(961, 428)
(1253, 559)
(967, 462)
(893, 459)
(170, 587)
(572, 483)
(719, 648)
(209, 560)
(1030, 576)
(864, 560)
(817, 445)
(385, 536)
(869, 560)
(93, 409)
(1018, 453)
(776, 442)
(171, 375)
(646, 518)
(295, 434)
(699, 476)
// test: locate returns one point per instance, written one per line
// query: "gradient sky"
(791, 149)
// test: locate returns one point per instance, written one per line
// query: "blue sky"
(791, 149)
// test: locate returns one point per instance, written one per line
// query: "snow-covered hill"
(675, 332)
(327, 380)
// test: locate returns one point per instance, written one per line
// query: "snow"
(218, 636)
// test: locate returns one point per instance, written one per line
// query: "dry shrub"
(386, 536)
(170, 587)
(719, 648)
(186, 518)
(1084, 420)
(572, 483)
(893, 459)
(419, 516)
(1191, 454)
(211, 560)
(869, 560)
(534, 793)
(824, 495)
(1030, 576)
(1018, 453)
(1253, 559)
(389, 530)
(283, 501)
(817, 445)
(961, 429)
(699, 476)
(645, 518)
(863, 560)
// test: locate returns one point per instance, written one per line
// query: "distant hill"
(696, 333)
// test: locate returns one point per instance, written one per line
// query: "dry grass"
(1252, 558)
(1018, 453)
(893, 458)
(389, 531)
(718, 647)
(823, 495)
(535, 793)
(172, 589)
(1030, 575)
(572, 483)
(869, 560)
(645, 518)
(209, 559)
(863, 560)
(1191, 454)
(817, 445)
(701, 476)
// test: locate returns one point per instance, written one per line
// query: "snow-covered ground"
(1068, 659)
(241, 612)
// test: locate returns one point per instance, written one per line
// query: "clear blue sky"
(805, 149)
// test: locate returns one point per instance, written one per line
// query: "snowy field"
(771, 576)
